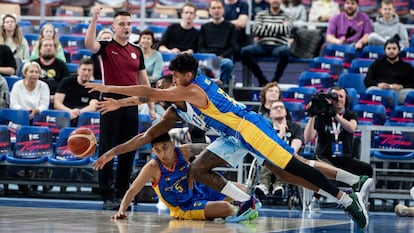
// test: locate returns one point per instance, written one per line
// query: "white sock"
(346, 177)
(326, 194)
(345, 200)
(311, 163)
(234, 192)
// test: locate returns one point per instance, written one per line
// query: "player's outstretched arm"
(148, 172)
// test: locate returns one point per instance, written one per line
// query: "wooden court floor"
(61, 216)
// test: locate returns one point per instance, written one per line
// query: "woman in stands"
(12, 36)
(152, 58)
(48, 31)
(30, 93)
(269, 94)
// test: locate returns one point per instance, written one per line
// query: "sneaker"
(246, 210)
(254, 216)
(363, 186)
(357, 210)
(261, 190)
(314, 206)
(278, 191)
(403, 211)
(110, 205)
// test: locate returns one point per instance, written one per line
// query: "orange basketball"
(82, 142)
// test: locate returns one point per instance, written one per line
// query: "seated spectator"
(259, 5)
(48, 31)
(272, 28)
(53, 69)
(152, 58)
(323, 10)
(297, 9)
(219, 37)
(349, 27)
(72, 96)
(104, 34)
(388, 26)
(181, 37)
(269, 94)
(237, 12)
(288, 131)
(7, 63)
(391, 72)
(12, 36)
(30, 93)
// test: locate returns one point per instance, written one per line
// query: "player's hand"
(95, 87)
(119, 215)
(96, 12)
(104, 159)
(107, 105)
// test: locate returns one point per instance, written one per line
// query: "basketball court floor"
(62, 216)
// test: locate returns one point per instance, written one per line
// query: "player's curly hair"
(184, 63)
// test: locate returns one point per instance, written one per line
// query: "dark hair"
(147, 32)
(168, 78)
(162, 138)
(184, 63)
(86, 61)
(123, 13)
(348, 100)
(392, 41)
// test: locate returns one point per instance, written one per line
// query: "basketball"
(82, 142)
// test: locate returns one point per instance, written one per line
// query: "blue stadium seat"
(62, 155)
(62, 28)
(72, 43)
(296, 110)
(81, 53)
(333, 66)
(344, 52)
(409, 99)
(55, 120)
(372, 52)
(360, 66)
(402, 114)
(5, 142)
(14, 119)
(407, 54)
(91, 120)
(389, 98)
(298, 94)
(33, 145)
(31, 40)
(73, 67)
(318, 80)
(79, 29)
(352, 80)
(371, 114)
(11, 80)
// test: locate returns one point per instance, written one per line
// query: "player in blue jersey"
(249, 129)
(167, 172)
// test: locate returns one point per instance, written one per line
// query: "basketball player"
(247, 129)
(167, 171)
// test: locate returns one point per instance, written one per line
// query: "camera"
(320, 105)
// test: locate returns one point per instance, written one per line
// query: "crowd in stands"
(48, 83)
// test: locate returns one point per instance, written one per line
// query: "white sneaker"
(278, 191)
(261, 190)
(314, 206)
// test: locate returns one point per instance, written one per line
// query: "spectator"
(219, 37)
(297, 9)
(122, 63)
(288, 131)
(53, 69)
(391, 72)
(48, 31)
(273, 28)
(349, 27)
(152, 58)
(181, 37)
(237, 12)
(30, 93)
(72, 96)
(335, 131)
(268, 95)
(7, 63)
(323, 10)
(12, 36)
(388, 26)
(259, 5)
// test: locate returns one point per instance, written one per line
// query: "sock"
(345, 200)
(326, 194)
(234, 192)
(311, 163)
(346, 177)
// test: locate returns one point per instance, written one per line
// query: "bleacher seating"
(55, 120)
(388, 98)
(352, 80)
(371, 114)
(318, 80)
(298, 94)
(5, 143)
(344, 52)
(371, 52)
(360, 66)
(333, 66)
